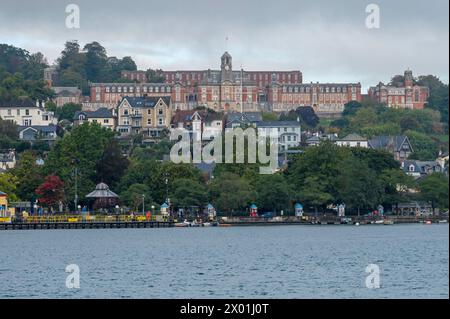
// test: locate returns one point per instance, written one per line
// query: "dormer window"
(411, 168)
(81, 117)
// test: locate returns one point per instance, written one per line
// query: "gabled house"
(288, 132)
(148, 115)
(26, 112)
(245, 119)
(102, 116)
(37, 133)
(399, 146)
(419, 169)
(202, 124)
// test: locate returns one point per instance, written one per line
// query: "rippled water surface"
(247, 262)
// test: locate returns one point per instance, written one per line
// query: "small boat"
(388, 222)
(379, 222)
(428, 222)
(183, 224)
(357, 224)
(443, 221)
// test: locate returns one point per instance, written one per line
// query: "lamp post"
(143, 204)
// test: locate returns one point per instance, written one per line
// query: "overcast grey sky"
(327, 40)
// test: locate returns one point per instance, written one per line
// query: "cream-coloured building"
(149, 116)
(24, 112)
(103, 116)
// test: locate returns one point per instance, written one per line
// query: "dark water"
(254, 262)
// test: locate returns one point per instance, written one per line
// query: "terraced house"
(146, 115)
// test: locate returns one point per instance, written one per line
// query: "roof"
(421, 166)
(146, 101)
(40, 128)
(100, 113)
(244, 118)
(25, 102)
(388, 142)
(66, 90)
(2, 194)
(102, 191)
(353, 137)
(278, 124)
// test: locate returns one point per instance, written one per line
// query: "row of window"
(127, 121)
(138, 89)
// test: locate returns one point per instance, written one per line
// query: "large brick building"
(230, 90)
(406, 96)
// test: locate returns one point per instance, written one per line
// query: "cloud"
(326, 40)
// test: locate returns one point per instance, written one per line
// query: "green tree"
(230, 193)
(186, 193)
(8, 185)
(132, 197)
(29, 175)
(82, 149)
(434, 189)
(112, 165)
(273, 192)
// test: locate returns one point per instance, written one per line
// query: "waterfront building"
(399, 146)
(103, 116)
(149, 116)
(405, 95)
(242, 119)
(25, 112)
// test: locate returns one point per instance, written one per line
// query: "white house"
(288, 132)
(353, 140)
(26, 113)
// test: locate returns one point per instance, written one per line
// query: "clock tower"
(227, 67)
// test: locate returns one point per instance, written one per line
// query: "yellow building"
(5, 213)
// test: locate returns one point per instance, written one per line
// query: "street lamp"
(143, 204)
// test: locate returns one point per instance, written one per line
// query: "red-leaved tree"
(51, 192)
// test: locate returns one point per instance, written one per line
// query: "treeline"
(21, 74)
(425, 129)
(323, 175)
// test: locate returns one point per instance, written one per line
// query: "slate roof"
(278, 124)
(66, 90)
(40, 128)
(146, 101)
(422, 166)
(100, 113)
(18, 103)
(353, 137)
(389, 142)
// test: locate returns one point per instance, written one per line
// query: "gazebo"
(253, 210)
(103, 196)
(298, 210)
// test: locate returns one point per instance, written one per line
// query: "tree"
(187, 193)
(29, 176)
(112, 165)
(67, 111)
(230, 193)
(358, 185)
(351, 108)
(395, 184)
(96, 61)
(155, 76)
(435, 189)
(314, 192)
(51, 192)
(8, 185)
(81, 149)
(273, 192)
(132, 197)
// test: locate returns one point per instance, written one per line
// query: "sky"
(325, 39)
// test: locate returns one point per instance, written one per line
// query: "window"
(411, 168)
(125, 112)
(27, 112)
(161, 112)
(160, 122)
(149, 112)
(9, 112)
(106, 121)
(149, 121)
(18, 111)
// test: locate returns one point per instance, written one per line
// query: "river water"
(237, 262)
